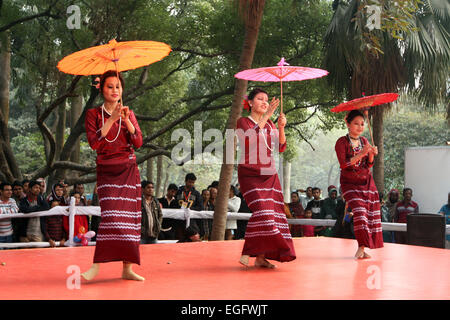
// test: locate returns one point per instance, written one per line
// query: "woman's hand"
(273, 106)
(373, 150)
(366, 149)
(125, 113)
(116, 113)
(282, 121)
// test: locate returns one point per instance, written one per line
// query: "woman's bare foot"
(244, 260)
(261, 262)
(128, 273)
(91, 273)
(360, 254)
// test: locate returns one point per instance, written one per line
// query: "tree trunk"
(8, 163)
(286, 181)
(159, 174)
(254, 13)
(378, 167)
(75, 113)
(150, 169)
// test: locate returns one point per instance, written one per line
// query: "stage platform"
(324, 269)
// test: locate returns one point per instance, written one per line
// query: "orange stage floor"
(324, 269)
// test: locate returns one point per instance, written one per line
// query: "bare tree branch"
(189, 114)
(301, 135)
(206, 55)
(46, 13)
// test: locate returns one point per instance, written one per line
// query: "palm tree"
(252, 11)
(417, 64)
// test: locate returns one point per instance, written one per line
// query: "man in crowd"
(79, 187)
(445, 211)
(328, 209)
(297, 212)
(151, 214)
(7, 206)
(234, 203)
(30, 228)
(402, 210)
(315, 206)
(188, 197)
(17, 194)
(305, 199)
(388, 212)
(169, 202)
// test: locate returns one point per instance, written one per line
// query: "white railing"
(179, 214)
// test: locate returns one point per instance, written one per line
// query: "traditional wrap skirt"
(267, 229)
(364, 202)
(119, 193)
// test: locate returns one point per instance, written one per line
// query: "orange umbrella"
(119, 56)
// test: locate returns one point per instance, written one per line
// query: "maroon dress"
(360, 193)
(267, 229)
(119, 188)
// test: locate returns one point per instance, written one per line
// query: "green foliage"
(409, 128)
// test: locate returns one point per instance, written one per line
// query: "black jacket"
(26, 207)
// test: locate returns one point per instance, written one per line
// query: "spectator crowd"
(29, 196)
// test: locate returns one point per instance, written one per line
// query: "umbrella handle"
(281, 84)
(366, 113)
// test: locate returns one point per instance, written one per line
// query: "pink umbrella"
(282, 72)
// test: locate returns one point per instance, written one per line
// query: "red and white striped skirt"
(267, 229)
(119, 193)
(364, 202)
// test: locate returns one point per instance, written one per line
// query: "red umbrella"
(282, 72)
(365, 103)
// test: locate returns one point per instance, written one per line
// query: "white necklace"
(263, 134)
(103, 123)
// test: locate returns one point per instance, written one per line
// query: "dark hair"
(25, 181)
(107, 74)
(352, 115)
(294, 192)
(215, 184)
(406, 189)
(254, 92)
(58, 185)
(17, 183)
(145, 183)
(77, 184)
(315, 188)
(233, 188)
(33, 183)
(190, 176)
(4, 184)
(172, 186)
(73, 192)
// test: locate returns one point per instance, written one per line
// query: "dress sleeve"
(93, 132)
(136, 138)
(341, 153)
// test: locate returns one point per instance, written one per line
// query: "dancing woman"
(356, 157)
(267, 235)
(112, 130)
